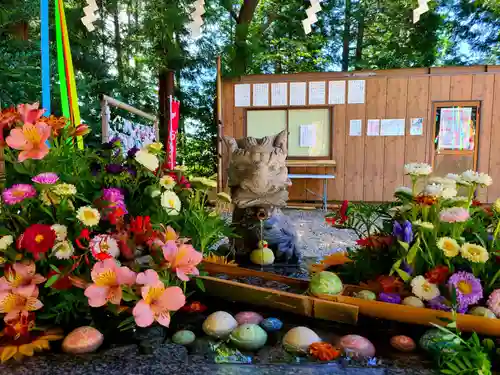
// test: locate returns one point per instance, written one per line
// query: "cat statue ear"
(281, 140)
(231, 143)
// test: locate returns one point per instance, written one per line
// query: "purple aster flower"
(389, 297)
(439, 303)
(114, 168)
(114, 195)
(131, 153)
(468, 288)
(47, 178)
(403, 232)
(18, 193)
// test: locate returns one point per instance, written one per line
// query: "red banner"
(172, 134)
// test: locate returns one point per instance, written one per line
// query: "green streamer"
(61, 66)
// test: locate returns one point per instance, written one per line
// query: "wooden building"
(364, 126)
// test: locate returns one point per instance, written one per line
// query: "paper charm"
(90, 15)
(422, 8)
(311, 16)
(197, 21)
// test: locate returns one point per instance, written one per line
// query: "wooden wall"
(370, 168)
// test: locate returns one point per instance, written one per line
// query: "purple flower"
(114, 195)
(468, 288)
(403, 232)
(131, 153)
(406, 267)
(439, 303)
(95, 168)
(114, 168)
(132, 171)
(18, 193)
(47, 178)
(389, 297)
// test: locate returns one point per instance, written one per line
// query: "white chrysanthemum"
(6, 241)
(147, 160)
(418, 169)
(460, 199)
(434, 190)
(445, 182)
(457, 178)
(64, 190)
(448, 192)
(473, 177)
(104, 243)
(404, 190)
(171, 202)
(155, 193)
(89, 216)
(63, 250)
(61, 231)
(167, 182)
(424, 289)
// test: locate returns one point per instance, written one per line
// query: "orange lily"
(30, 140)
(19, 302)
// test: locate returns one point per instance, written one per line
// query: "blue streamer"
(44, 16)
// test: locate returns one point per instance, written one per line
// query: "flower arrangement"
(441, 247)
(86, 229)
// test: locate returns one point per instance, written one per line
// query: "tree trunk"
(359, 39)
(347, 36)
(118, 42)
(239, 62)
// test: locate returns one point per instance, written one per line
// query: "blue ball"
(271, 324)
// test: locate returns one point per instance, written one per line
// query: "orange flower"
(8, 116)
(218, 259)
(425, 200)
(56, 123)
(323, 351)
(19, 302)
(30, 140)
(390, 284)
(80, 130)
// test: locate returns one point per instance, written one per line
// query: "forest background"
(135, 40)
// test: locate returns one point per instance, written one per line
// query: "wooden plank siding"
(369, 168)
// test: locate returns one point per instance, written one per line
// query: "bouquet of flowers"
(83, 229)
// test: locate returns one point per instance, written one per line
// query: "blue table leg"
(325, 194)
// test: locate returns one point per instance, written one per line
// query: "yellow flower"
(64, 190)
(181, 168)
(88, 216)
(474, 253)
(167, 182)
(171, 202)
(37, 343)
(49, 198)
(423, 289)
(5, 242)
(450, 247)
(147, 160)
(218, 259)
(155, 147)
(496, 206)
(63, 250)
(205, 182)
(2, 260)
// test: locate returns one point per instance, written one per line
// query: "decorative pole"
(45, 50)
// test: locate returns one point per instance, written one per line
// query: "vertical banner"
(172, 133)
(45, 52)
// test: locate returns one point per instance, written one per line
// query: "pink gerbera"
(47, 178)
(17, 193)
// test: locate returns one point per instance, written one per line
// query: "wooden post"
(104, 120)
(166, 92)
(219, 126)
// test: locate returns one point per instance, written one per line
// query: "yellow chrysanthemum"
(474, 253)
(450, 247)
(218, 259)
(171, 202)
(39, 343)
(154, 147)
(49, 198)
(88, 216)
(167, 182)
(64, 190)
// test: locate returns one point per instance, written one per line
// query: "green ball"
(183, 337)
(366, 294)
(262, 257)
(325, 282)
(248, 337)
(435, 341)
(482, 311)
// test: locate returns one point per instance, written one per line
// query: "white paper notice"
(279, 94)
(297, 93)
(307, 136)
(356, 92)
(317, 92)
(242, 95)
(373, 128)
(417, 126)
(261, 95)
(355, 128)
(336, 92)
(392, 127)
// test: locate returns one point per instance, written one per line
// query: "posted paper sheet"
(317, 92)
(336, 92)
(355, 128)
(373, 127)
(261, 95)
(297, 93)
(279, 94)
(242, 95)
(417, 126)
(456, 130)
(356, 92)
(307, 135)
(392, 127)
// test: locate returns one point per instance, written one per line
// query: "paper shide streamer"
(422, 8)
(90, 15)
(197, 20)
(311, 16)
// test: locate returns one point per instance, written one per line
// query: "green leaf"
(56, 270)
(51, 280)
(406, 277)
(200, 285)
(412, 253)
(404, 245)
(460, 364)
(128, 297)
(452, 324)
(448, 372)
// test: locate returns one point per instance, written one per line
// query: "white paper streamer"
(90, 15)
(311, 16)
(197, 21)
(422, 8)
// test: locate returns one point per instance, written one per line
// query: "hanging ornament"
(90, 15)
(197, 21)
(311, 16)
(422, 8)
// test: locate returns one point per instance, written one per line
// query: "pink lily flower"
(20, 301)
(182, 259)
(30, 140)
(20, 275)
(30, 113)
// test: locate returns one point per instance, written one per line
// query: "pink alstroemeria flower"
(30, 113)
(30, 140)
(156, 304)
(20, 275)
(108, 278)
(182, 259)
(148, 277)
(20, 301)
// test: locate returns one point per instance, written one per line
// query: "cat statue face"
(258, 176)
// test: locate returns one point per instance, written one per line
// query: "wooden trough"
(340, 308)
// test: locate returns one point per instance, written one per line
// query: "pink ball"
(357, 346)
(403, 343)
(248, 317)
(82, 340)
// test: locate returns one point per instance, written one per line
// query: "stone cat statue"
(258, 179)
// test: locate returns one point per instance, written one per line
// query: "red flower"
(390, 284)
(438, 275)
(84, 235)
(63, 282)
(115, 215)
(375, 241)
(19, 326)
(343, 211)
(194, 306)
(38, 238)
(330, 220)
(476, 203)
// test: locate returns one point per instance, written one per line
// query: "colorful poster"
(392, 127)
(307, 135)
(356, 92)
(242, 95)
(355, 128)
(336, 92)
(297, 93)
(279, 94)
(172, 134)
(261, 95)
(317, 92)
(417, 126)
(373, 127)
(456, 130)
